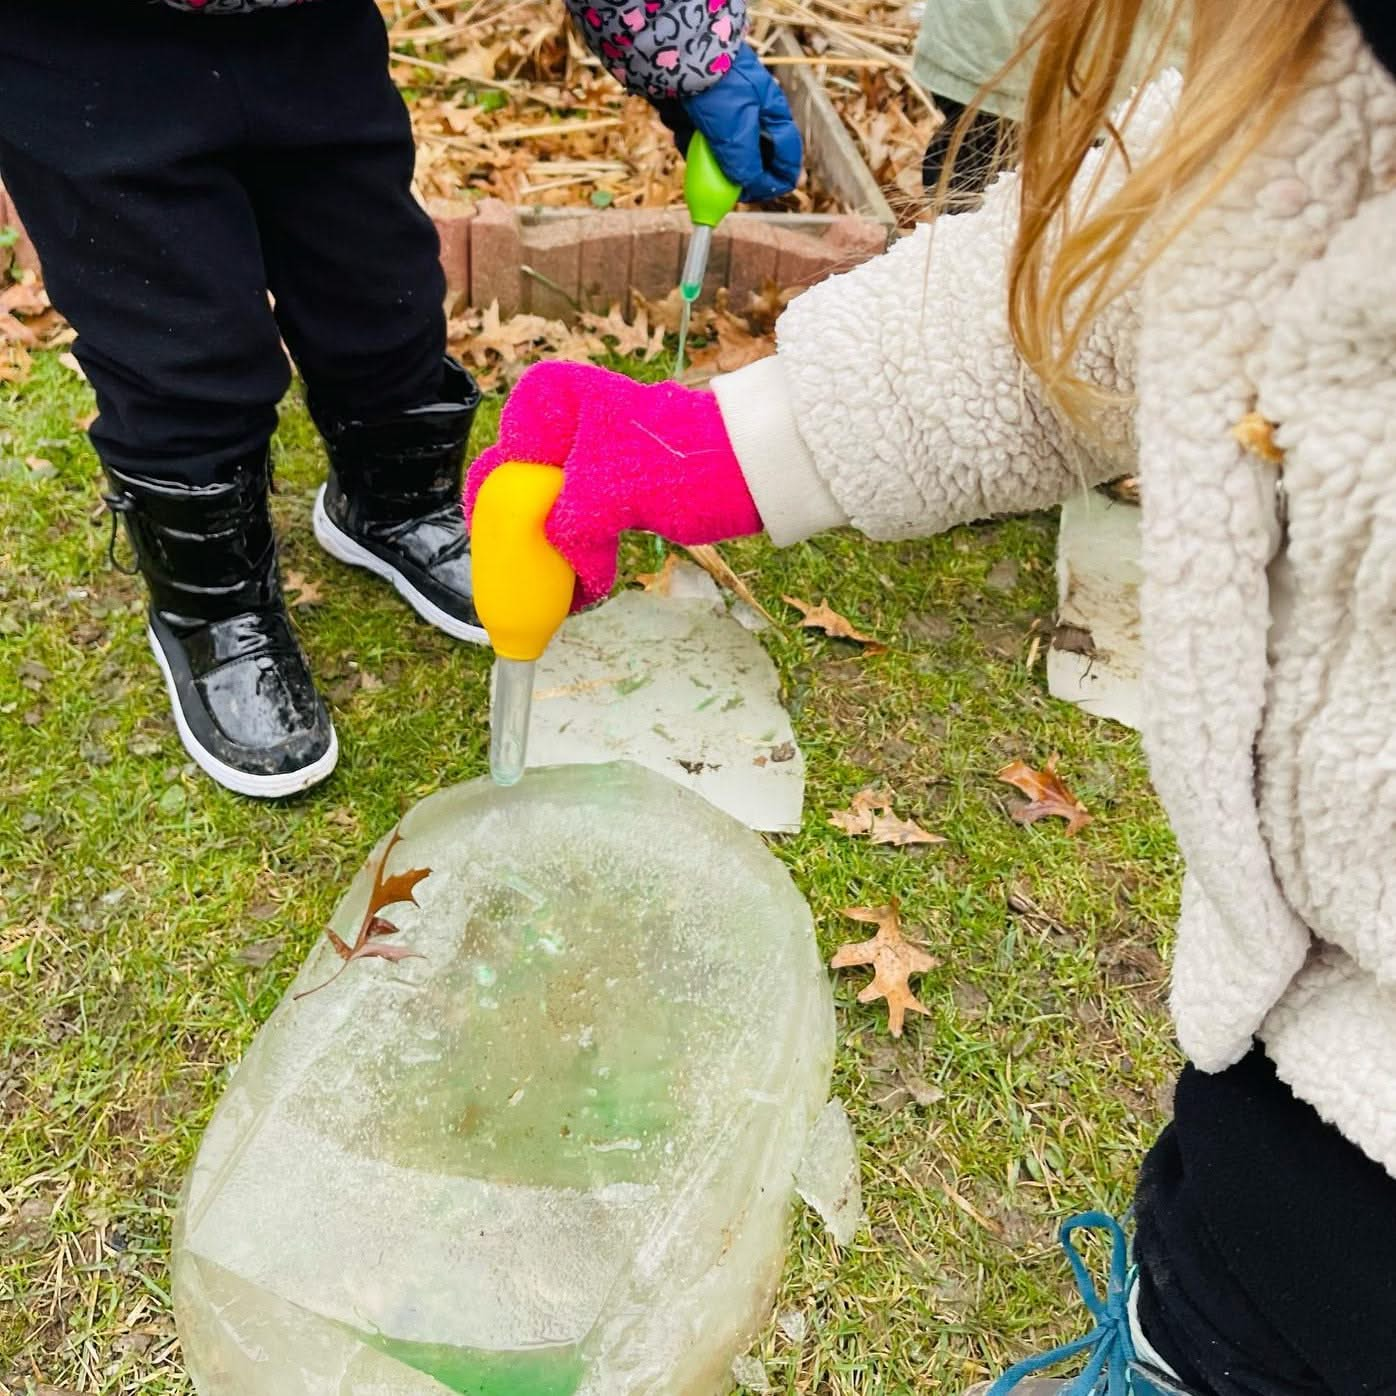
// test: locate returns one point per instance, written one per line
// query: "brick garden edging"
(555, 262)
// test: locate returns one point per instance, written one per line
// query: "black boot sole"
(262, 787)
(335, 541)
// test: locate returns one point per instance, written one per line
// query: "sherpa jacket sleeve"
(897, 401)
(663, 49)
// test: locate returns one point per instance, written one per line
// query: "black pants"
(1266, 1245)
(978, 156)
(172, 169)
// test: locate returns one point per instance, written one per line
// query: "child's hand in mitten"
(652, 456)
(748, 123)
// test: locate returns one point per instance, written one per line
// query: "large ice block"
(556, 1154)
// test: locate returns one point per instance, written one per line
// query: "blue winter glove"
(749, 125)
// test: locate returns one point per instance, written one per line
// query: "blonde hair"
(1245, 61)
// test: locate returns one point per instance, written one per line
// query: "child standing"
(176, 162)
(1209, 300)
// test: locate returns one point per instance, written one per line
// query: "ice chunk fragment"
(679, 686)
(794, 1325)
(688, 582)
(828, 1174)
(749, 1374)
(553, 1157)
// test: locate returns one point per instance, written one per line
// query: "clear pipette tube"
(513, 705)
(695, 265)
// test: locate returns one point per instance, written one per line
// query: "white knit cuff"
(759, 414)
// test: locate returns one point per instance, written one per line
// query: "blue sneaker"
(1113, 1367)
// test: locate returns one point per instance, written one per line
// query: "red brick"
(552, 252)
(604, 253)
(656, 259)
(496, 252)
(856, 240)
(805, 260)
(755, 257)
(453, 218)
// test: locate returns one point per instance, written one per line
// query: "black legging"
(174, 168)
(1266, 1245)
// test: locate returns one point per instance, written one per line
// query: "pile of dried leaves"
(861, 51)
(723, 339)
(28, 321)
(507, 101)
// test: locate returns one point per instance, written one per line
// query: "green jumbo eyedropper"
(710, 197)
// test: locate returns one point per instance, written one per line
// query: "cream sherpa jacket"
(897, 403)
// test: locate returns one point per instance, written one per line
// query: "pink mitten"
(652, 456)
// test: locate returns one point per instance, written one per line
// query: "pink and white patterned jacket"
(661, 49)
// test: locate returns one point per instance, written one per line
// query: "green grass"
(134, 893)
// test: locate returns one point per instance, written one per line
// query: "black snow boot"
(392, 502)
(243, 699)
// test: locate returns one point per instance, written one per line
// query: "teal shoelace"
(1110, 1344)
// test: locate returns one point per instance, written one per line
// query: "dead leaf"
(767, 305)
(666, 314)
(24, 298)
(69, 360)
(923, 1092)
(15, 362)
(732, 345)
(894, 961)
(17, 332)
(821, 617)
(1256, 434)
(633, 337)
(659, 582)
(1047, 795)
(1073, 639)
(715, 565)
(870, 816)
(306, 593)
(262, 953)
(386, 891)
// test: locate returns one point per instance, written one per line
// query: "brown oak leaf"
(732, 346)
(893, 960)
(766, 306)
(15, 362)
(631, 337)
(368, 943)
(659, 582)
(1047, 795)
(666, 313)
(307, 593)
(870, 816)
(823, 617)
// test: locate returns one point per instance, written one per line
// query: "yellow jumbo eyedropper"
(523, 585)
(523, 591)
